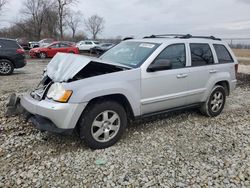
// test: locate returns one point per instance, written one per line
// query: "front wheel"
(215, 103)
(102, 124)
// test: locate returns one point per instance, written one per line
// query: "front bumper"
(52, 116)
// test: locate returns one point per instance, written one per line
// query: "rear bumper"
(52, 116)
(20, 63)
(233, 85)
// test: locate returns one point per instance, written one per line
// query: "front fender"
(126, 83)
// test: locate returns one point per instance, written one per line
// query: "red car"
(51, 50)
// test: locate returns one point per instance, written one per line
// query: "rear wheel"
(215, 103)
(103, 124)
(42, 55)
(6, 67)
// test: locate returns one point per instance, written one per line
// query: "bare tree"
(2, 3)
(73, 21)
(50, 28)
(95, 25)
(23, 28)
(62, 13)
(36, 10)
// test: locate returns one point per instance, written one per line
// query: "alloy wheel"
(5, 67)
(217, 101)
(105, 126)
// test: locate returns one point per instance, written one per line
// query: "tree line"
(50, 19)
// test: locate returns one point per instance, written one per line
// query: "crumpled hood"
(65, 66)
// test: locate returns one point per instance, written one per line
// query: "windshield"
(130, 53)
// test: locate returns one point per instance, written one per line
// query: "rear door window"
(223, 54)
(201, 55)
(55, 45)
(63, 45)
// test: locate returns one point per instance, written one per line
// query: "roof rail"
(127, 38)
(181, 36)
(165, 35)
(188, 36)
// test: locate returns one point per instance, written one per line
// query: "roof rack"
(127, 38)
(181, 36)
(165, 36)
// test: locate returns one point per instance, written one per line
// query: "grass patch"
(242, 52)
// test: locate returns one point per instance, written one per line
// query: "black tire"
(214, 105)
(42, 55)
(6, 67)
(87, 129)
(72, 52)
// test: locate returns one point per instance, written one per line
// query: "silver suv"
(98, 96)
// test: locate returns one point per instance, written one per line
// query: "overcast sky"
(223, 18)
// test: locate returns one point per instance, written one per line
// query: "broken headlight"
(58, 93)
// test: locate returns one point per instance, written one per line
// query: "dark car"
(100, 49)
(12, 56)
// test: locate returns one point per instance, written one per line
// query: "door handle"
(213, 71)
(182, 75)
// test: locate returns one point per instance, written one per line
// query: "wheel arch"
(6, 58)
(225, 84)
(119, 98)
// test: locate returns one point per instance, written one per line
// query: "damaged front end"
(44, 106)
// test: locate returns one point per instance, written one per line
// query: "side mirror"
(160, 65)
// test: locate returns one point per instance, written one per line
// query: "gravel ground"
(180, 149)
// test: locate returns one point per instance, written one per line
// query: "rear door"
(65, 48)
(53, 49)
(201, 59)
(166, 89)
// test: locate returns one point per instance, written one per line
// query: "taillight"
(20, 51)
(236, 66)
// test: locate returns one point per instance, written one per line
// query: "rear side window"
(9, 44)
(55, 45)
(176, 54)
(201, 55)
(63, 45)
(223, 54)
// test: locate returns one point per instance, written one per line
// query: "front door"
(166, 89)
